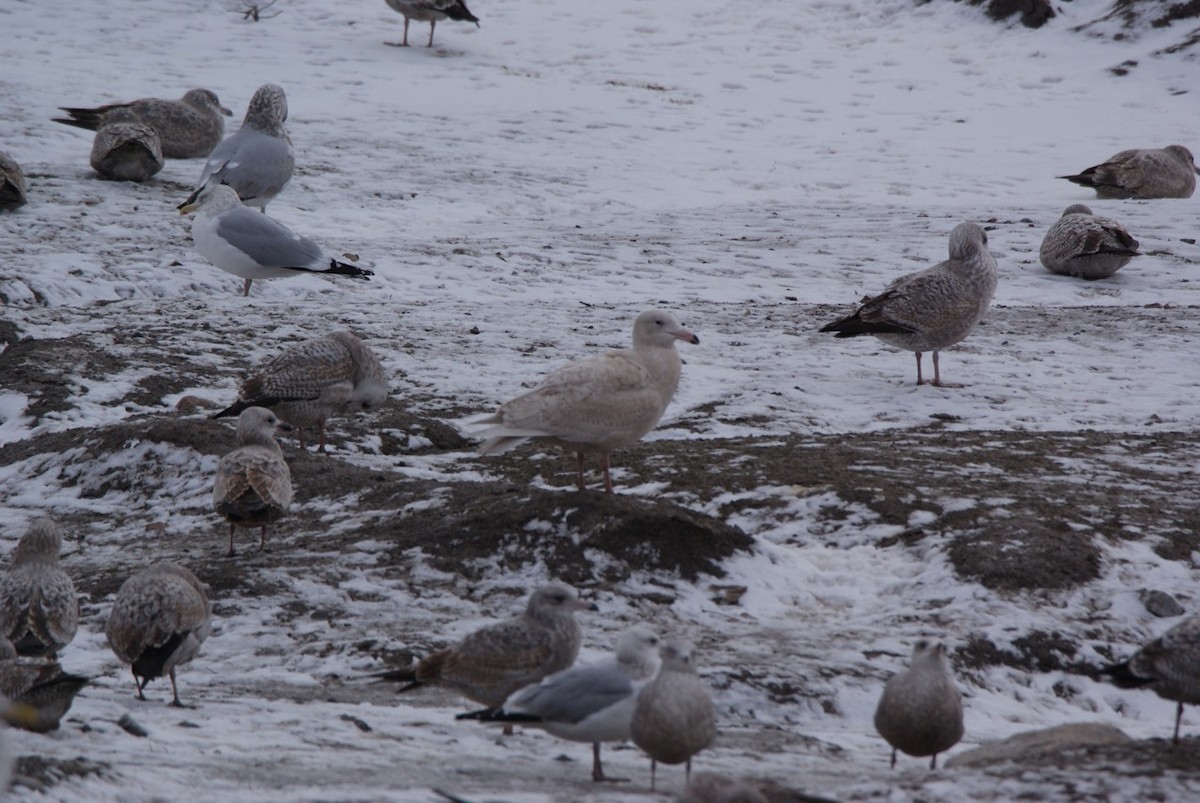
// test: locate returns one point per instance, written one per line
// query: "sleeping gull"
(257, 160)
(674, 718)
(430, 11)
(189, 127)
(159, 620)
(709, 787)
(920, 712)
(40, 684)
(1168, 172)
(934, 308)
(585, 703)
(597, 404)
(39, 609)
(126, 151)
(253, 486)
(1083, 245)
(489, 664)
(253, 246)
(1169, 666)
(308, 382)
(12, 183)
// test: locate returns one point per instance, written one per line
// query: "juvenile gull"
(40, 684)
(1168, 172)
(126, 151)
(1169, 666)
(430, 11)
(39, 609)
(1088, 247)
(253, 246)
(585, 703)
(674, 718)
(159, 620)
(257, 160)
(920, 712)
(934, 308)
(708, 787)
(253, 486)
(597, 404)
(308, 382)
(189, 127)
(13, 186)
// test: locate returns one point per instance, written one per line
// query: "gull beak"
(687, 337)
(584, 605)
(186, 207)
(225, 111)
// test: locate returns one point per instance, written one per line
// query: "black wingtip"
(233, 409)
(344, 269)
(1123, 677)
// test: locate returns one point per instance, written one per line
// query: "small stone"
(1160, 603)
(127, 724)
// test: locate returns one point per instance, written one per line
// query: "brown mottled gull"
(674, 718)
(597, 404)
(187, 128)
(253, 486)
(1169, 666)
(920, 712)
(1086, 246)
(430, 11)
(934, 308)
(126, 151)
(310, 381)
(12, 183)
(1168, 172)
(159, 620)
(39, 609)
(709, 787)
(40, 684)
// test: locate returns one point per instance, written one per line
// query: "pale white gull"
(674, 717)
(39, 609)
(1086, 246)
(126, 152)
(253, 486)
(187, 128)
(430, 11)
(1168, 172)
(1169, 666)
(920, 712)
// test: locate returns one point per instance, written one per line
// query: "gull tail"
(88, 119)
(497, 715)
(344, 269)
(1122, 676)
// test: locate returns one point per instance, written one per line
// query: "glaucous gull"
(40, 684)
(187, 128)
(1168, 172)
(39, 609)
(430, 11)
(126, 151)
(1169, 666)
(1086, 246)
(253, 486)
(674, 718)
(920, 712)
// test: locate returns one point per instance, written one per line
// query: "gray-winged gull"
(188, 127)
(253, 486)
(920, 712)
(13, 186)
(39, 609)
(39, 683)
(126, 151)
(586, 703)
(597, 404)
(674, 717)
(430, 11)
(1168, 172)
(934, 308)
(1086, 246)
(1169, 666)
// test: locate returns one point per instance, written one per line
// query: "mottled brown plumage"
(1083, 245)
(1169, 666)
(920, 712)
(674, 717)
(13, 186)
(187, 128)
(253, 485)
(39, 609)
(430, 11)
(126, 151)
(38, 683)
(1168, 172)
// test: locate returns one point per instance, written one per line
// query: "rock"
(1022, 746)
(1160, 603)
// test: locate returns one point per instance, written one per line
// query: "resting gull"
(257, 161)
(674, 718)
(187, 128)
(585, 703)
(126, 151)
(253, 246)
(308, 382)
(159, 620)
(40, 684)
(39, 609)
(1169, 666)
(920, 712)
(1086, 246)
(494, 661)
(1168, 172)
(430, 11)
(597, 404)
(13, 186)
(709, 787)
(934, 308)
(253, 486)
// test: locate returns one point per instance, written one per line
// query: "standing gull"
(586, 703)
(308, 382)
(1168, 172)
(430, 11)
(674, 718)
(253, 486)
(597, 404)
(13, 186)
(126, 151)
(934, 308)
(920, 712)
(39, 609)
(160, 618)
(38, 683)
(253, 246)
(189, 127)
(257, 161)
(1083, 245)
(1169, 666)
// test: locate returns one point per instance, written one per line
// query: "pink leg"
(137, 682)
(893, 765)
(579, 469)
(937, 376)
(920, 378)
(262, 545)
(321, 436)
(1178, 717)
(246, 287)
(432, 25)
(403, 42)
(230, 553)
(653, 768)
(933, 762)
(608, 489)
(175, 692)
(300, 437)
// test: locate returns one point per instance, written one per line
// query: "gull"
(430, 11)
(920, 712)
(159, 620)
(1086, 246)
(253, 246)
(674, 718)
(585, 703)
(39, 609)
(187, 128)
(257, 161)
(127, 151)
(13, 186)
(308, 382)
(1168, 172)
(597, 404)
(1169, 666)
(253, 486)
(40, 684)
(934, 308)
